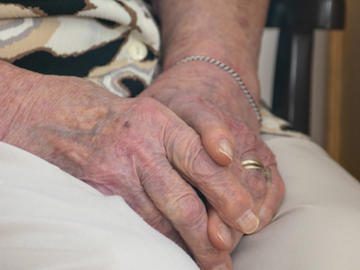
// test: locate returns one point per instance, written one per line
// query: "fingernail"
(248, 222)
(224, 235)
(226, 149)
(220, 267)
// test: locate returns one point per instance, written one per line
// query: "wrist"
(15, 86)
(208, 82)
(245, 91)
(237, 57)
(209, 73)
(227, 30)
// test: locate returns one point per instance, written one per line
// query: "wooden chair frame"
(297, 20)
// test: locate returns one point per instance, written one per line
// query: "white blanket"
(50, 220)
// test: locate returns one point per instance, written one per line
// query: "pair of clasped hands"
(186, 134)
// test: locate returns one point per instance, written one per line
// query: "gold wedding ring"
(257, 165)
(252, 164)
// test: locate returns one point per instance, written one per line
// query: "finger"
(251, 177)
(220, 234)
(178, 201)
(207, 121)
(145, 208)
(236, 236)
(273, 199)
(221, 189)
(275, 187)
(139, 201)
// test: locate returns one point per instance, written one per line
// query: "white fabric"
(50, 220)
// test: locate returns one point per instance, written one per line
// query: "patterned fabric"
(273, 125)
(85, 38)
(114, 43)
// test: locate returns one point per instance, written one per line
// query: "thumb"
(208, 122)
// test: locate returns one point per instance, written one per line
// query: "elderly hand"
(136, 148)
(210, 101)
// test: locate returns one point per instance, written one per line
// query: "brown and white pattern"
(87, 38)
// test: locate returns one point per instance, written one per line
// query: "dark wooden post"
(297, 20)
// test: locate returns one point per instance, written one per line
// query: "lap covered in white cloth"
(51, 220)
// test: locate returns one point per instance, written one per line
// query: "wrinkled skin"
(141, 150)
(211, 102)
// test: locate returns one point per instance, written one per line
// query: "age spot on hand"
(127, 124)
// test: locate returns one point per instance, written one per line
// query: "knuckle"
(159, 223)
(188, 211)
(245, 201)
(257, 185)
(230, 201)
(190, 157)
(267, 156)
(151, 169)
(241, 128)
(203, 168)
(153, 219)
(149, 107)
(246, 138)
(147, 102)
(197, 161)
(138, 201)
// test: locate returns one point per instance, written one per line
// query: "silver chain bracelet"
(233, 73)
